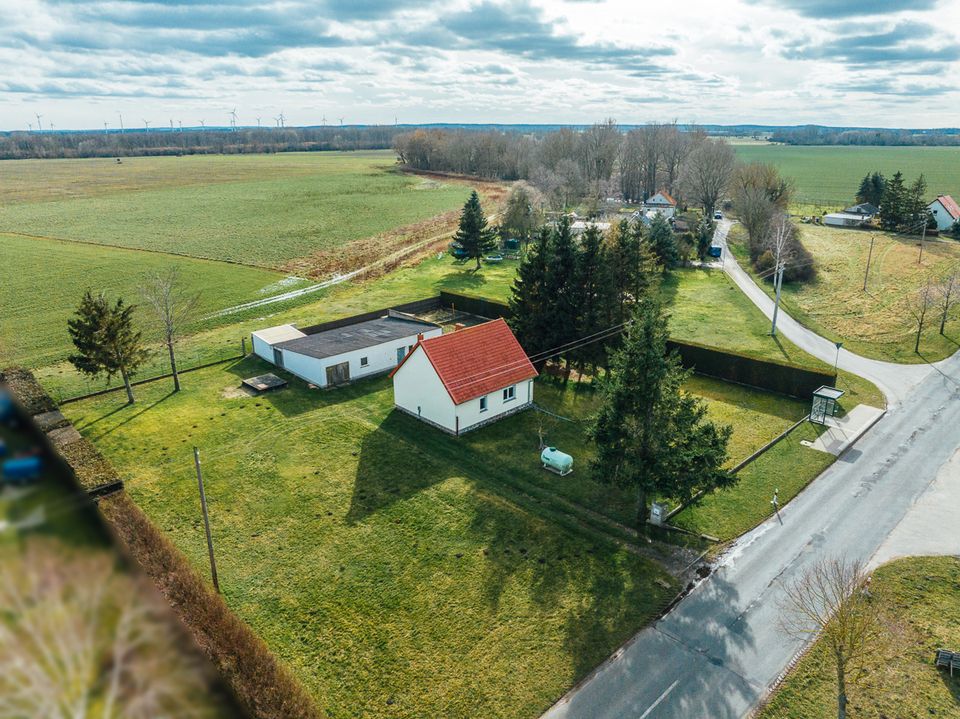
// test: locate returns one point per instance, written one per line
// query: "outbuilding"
(343, 353)
(844, 219)
(945, 211)
(465, 379)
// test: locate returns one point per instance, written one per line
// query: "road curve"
(720, 649)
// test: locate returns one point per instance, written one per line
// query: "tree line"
(133, 143)
(816, 135)
(567, 166)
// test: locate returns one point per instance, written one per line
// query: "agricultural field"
(254, 215)
(919, 601)
(827, 178)
(43, 281)
(392, 568)
(878, 323)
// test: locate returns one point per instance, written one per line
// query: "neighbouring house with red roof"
(661, 202)
(945, 211)
(465, 379)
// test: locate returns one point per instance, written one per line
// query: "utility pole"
(869, 257)
(836, 362)
(780, 235)
(777, 282)
(206, 520)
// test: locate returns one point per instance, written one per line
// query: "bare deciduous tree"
(831, 601)
(80, 639)
(164, 293)
(920, 303)
(706, 174)
(948, 292)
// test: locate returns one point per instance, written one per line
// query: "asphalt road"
(715, 655)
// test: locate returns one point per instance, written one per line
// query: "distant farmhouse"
(341, 354)
(945, 211)
(660, 202)
(465, 379)
(580, 226)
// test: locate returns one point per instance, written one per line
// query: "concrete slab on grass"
(843, 431)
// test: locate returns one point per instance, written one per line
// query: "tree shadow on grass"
(467, 278)
(138, 406)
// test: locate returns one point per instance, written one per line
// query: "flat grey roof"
(828, 392)
(355, 337)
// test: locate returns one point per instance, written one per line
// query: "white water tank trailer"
(556, 461)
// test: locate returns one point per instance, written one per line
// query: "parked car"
(718, 215)
(715, 251)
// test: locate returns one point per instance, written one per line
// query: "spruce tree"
(107, 342)
(651, 435)
(561, 309)
(916, 204)
(865, 191)
(592, 284)
(893, 208)
(473, 234)
(529, 300)
(624, 260)
(662, 242)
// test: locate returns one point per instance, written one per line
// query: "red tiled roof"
(478, 360)
(950, 205)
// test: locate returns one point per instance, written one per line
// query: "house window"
(364, 361)
(510, 393)
(483, 404)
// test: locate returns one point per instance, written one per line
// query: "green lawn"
(828, 177)
(42, 282)
(877, 323)
(244, 210)
(920, 600)
(394, 569)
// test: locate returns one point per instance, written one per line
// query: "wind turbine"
(258, 122)
(202, 124)
(181, 125)
(233, 119)
(146, 124)
(282, 118)
(341, 122)
(324, 121)
(171, 124)
(30, 125)
(51, 127)
(39, 124)
(120, 114)
(105, 131)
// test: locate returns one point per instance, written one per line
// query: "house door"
(338, 373)
(401, 353)
(278, 357)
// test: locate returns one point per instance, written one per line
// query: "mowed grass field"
(878, 323)
(42, 282)
(919, 599)
(828, 177)
(259, 210)
(394, 569)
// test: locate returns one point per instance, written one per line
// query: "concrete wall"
(418, 391)
(262, 349)
(380, 358)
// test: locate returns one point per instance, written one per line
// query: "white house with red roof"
(945, 211)
(661, 202)
(465, 379)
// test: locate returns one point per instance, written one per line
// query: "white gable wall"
(418, 390)
(940, 214)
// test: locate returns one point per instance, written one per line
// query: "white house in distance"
(340, 354)
(661, 202)
(465, 379)
(945, 211)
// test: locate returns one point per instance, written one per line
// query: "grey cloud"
(902, 43)
(831, 9)
(886, 86)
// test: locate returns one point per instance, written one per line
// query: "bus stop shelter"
(824, 403)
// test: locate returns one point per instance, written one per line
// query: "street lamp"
(836, 362)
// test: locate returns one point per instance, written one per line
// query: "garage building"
(341, 354)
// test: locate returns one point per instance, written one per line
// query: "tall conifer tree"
(473, 234)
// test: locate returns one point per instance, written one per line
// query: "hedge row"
(262, 686)
(781, 377)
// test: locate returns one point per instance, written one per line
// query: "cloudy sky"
(80, 63)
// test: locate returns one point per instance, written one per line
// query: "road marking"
(659, 699)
